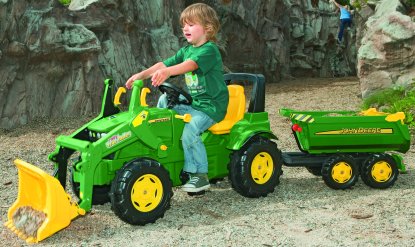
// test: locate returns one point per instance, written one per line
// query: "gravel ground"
(302, 211)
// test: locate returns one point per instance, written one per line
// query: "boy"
(201, 63)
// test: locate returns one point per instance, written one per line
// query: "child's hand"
(159, 77)
(130, 81)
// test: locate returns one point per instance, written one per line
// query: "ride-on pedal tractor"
(341, 145)
(133, 158)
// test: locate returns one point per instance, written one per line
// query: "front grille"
(94, 136)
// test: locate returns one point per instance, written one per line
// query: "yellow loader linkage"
(42, 193)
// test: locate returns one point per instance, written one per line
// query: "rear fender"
(242, 140)
(399, 162)
(253, 124)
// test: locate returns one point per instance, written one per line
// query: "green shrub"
(357, 4)
(394, 100)
(65, 2)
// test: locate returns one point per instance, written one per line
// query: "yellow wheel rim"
(147, 193)
(262, 168)
(381, 171)
(341, 172)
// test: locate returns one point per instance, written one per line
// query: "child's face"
(194, 33)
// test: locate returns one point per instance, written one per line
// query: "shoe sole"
(196, 189)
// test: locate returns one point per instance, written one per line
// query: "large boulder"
(386, 55)
(284, 39)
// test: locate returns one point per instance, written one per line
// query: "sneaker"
(197, 183)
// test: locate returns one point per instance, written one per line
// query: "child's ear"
(208, 29)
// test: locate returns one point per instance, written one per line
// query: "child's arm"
(338, 5)
(144, 74)
(163, 74)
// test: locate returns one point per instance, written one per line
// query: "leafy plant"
(65, 2)
(398, 99)
(411, 2)
(357, 4)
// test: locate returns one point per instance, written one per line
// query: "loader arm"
(44, 196)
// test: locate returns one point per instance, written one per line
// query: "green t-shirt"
(206, 84)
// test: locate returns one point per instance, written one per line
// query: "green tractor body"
(108, 142)
(133, 158)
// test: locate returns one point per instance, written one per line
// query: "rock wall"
(54, 58)
(386, 56)
(283, 39)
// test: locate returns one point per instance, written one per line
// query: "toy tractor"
(133, 158)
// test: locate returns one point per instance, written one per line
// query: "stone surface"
(386, 56)
(54, 58)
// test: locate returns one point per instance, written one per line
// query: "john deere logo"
(138, 120)
(356, 131)
(159, 120)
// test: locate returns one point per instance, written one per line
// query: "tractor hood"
(106, 124)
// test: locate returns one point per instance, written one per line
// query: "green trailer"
(341, 145)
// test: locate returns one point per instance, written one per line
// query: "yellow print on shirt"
(191, 79)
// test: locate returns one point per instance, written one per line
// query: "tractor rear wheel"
(254, 170)
(340, 172)
(379, 171)
(141, 192)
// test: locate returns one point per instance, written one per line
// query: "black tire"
(100, 193)
(137, 178)
(247, 163)
(340, 172)
(379, 171)
(316, 171)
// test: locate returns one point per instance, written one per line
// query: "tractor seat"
(235, 111)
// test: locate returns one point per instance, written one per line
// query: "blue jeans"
(195, 156)
(343, 23)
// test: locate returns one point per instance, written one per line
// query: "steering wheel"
(173, 94)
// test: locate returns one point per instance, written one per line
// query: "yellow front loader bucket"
(41, 200)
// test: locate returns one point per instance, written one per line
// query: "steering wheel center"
(173, 95)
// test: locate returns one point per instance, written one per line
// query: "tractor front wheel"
(340, 172)
(380, 171)
(254, 170)
(141, 192)
(99, 192)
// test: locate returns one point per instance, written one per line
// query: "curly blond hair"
(204, 15)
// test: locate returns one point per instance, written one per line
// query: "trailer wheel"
(340, 172)
(141, 192)
(379, 171)
(254, 170)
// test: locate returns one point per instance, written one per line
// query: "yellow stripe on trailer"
(303, 118)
